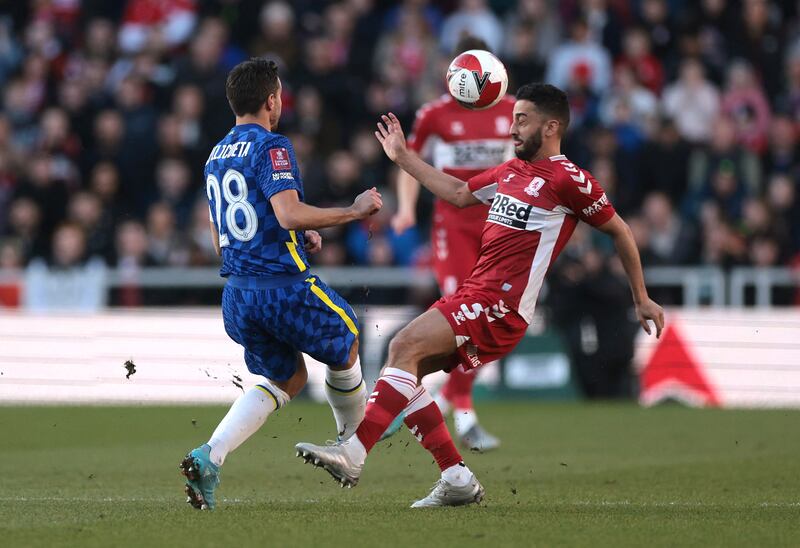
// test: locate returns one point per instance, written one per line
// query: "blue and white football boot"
(202, 477)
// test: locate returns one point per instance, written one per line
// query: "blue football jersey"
(243, 171)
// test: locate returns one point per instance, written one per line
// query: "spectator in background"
(636, 55)
(782, 200)
(759, 41)
(164, 244)
(174, 189)
(41, 185)
(673, 240)
(523, 60)
(156, 24)
(85, 210)
(592, 312)
(692, 102)
(131, 256)
(277, 34)
(539, 26)
(629, 104)
(782, 152)
(654, 17)
(582, 58)
(472, 17)
(104, 183)
(411, 48)
(724, 168)
(25, 226)
(789, 100)
(11, 53)
(662, 161)
(73, 281)
(745, 103)
(373, 242)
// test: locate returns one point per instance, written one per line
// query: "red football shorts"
(486, 330)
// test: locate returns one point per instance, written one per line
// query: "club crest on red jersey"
(534, 186)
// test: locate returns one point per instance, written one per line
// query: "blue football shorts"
(273, 324)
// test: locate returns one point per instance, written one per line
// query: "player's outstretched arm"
(646, 308)
(293, 214)
(444, 186)
(407, 195)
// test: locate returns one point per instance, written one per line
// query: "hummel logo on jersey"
(509, 177)
(493, 312)
(510, 212)
(596, 206)
(579, 177)
(533, 187)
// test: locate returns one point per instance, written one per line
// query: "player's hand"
(313, 241)
(367, 203)
(650, 310)
(390, 135)
(403, 220)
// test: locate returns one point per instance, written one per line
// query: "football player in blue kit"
(272, 305)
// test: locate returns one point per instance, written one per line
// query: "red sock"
(458, 388)
(388, 399)
(426, 423)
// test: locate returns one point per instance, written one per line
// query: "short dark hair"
(468, 42)
(249, 85)
(549, 100)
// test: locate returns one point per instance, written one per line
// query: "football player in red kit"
(462, 143)
(536, 200)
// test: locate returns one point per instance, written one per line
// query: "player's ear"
(271, 102)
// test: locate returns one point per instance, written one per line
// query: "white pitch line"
(587, 503)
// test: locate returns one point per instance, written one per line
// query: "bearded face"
(527, 130)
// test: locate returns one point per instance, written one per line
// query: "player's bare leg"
(247, 414)
(418, 349)
(346, 393)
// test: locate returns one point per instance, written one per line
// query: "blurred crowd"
(687, 112)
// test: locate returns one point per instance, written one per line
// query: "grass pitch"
(567, 475)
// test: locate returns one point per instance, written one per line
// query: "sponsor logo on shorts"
(472, 356)
(493, 312)
(599, 204)
(510, 212)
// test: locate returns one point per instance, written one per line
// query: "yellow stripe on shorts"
(293, 251)
(327, 300)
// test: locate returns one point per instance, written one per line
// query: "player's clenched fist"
(390, 135)
(367, 203)
(313, 241)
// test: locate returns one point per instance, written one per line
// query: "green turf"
(567, 475)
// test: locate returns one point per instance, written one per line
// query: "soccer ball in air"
(477, 79)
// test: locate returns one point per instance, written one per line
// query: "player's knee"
(406, 345)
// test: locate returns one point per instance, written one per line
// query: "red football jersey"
(463, 143)
(535, 207)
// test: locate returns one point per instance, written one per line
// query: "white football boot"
(479, 440)
(447, 494)
(334, 458)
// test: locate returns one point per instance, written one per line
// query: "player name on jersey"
(477, 155)
(240, 149)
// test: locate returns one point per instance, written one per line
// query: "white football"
(477, 79)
